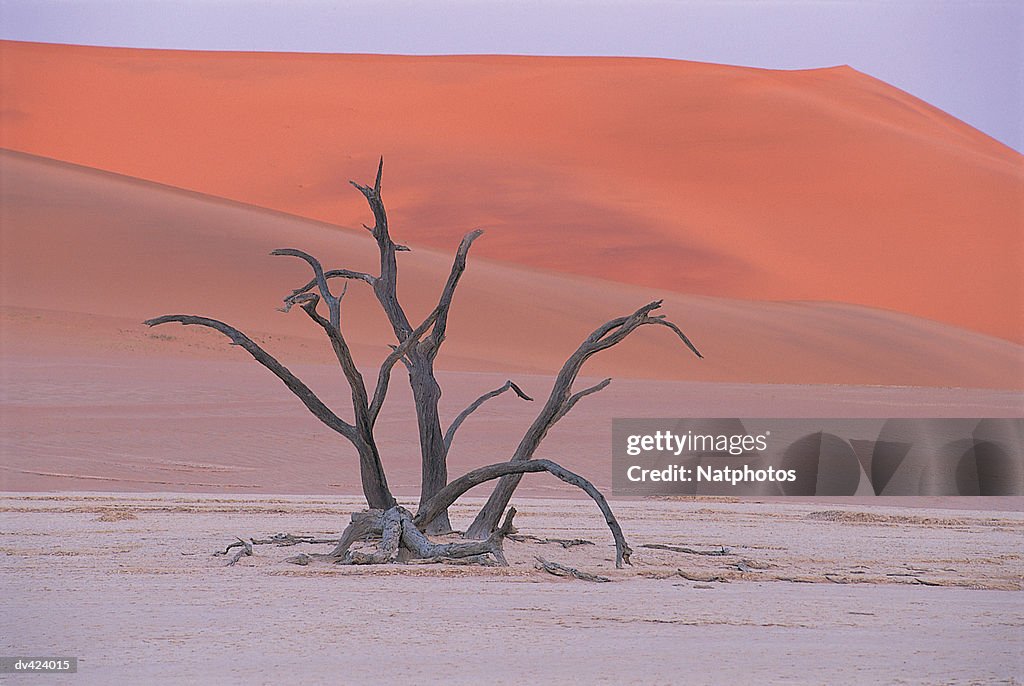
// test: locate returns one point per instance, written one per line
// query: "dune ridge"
(88, 255)
(825, 185)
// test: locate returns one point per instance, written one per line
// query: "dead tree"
(417, 348)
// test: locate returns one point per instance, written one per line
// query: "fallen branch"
(454, 490)
(564, 542)
(707, 579)
(923, 582)
(245, 551)
(280, 540)
(563, 571)
(481, 560)
(689, 551)
(363, 525)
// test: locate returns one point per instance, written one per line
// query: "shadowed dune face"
(742, 183)
(86, 256)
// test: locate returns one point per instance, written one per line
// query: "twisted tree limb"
(418, 357)
(562, 399)
(453, 491)
(294, 384)
(449, 435)
(444, 303)
(333, 302)
(557, 569)
(363, 525)
(385, 286)
(331, 274)
(402, 540)
(375, 486)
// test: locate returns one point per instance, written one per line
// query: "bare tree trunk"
(372, 478)
(420, 359)
(433, 462)
(417, 348)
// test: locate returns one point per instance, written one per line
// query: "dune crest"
(735, 182)
(88, 255)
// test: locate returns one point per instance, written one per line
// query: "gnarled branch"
(576, 397)
(385, 286)
(294, 384)
(444, 303)
(454, 490)
(308, 303)
(333, 302)
(402, 539)
(562, 399)
(449, 435)
(330, 274)
(399, 352)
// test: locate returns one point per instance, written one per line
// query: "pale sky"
(964, 56)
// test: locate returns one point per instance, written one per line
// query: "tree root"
(402, 541)
(563, 571)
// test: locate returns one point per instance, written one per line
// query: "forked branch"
(562, 400)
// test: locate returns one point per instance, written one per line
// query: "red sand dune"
(823, 185)
(87, 255)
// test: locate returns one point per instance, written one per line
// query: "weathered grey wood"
(562, 399)
(244, 551)
(557, 569)
(333, 302)
(329, 274)
(417, 348)
(689, 551)
(418, 357)
(453, 491)
(385, 286)
(564, 542)
(362, 524)
(294, 384)
(401, 540)
(371, 470)
(444, 303)
(391, 540)
(449, 435)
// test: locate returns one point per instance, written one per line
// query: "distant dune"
(87, 255)
(748, 184)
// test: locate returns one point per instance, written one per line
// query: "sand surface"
(137, 422)
(87, 256)
(824, 184)
(832, 595)
(835, 248)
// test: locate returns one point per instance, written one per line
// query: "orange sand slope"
(85, 256)
(821, 185)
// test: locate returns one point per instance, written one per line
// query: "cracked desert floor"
(804, 592)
